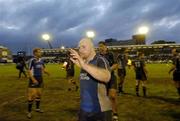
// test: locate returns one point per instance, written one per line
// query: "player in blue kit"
(122, 60)
(141, 73)
(36, 69)
(70, 72)
(95, 104)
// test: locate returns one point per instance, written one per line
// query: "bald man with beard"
(95, 104)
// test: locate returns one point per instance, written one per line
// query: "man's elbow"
(108, 77)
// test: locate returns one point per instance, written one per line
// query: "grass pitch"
(60, 105)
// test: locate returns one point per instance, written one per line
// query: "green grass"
(61, 105)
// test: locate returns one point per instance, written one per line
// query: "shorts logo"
(83, 76)
(38, 66)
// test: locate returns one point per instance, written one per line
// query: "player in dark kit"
(141, 73)
(112, 85)
(176, 70)
(35, 70)
(21, 66)
(70, 71)
(122, 62)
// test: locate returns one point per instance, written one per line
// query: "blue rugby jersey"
(139, 65)
(36, 67)
(110, 58)
(93, 93)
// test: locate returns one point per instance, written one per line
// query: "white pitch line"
(14, 100)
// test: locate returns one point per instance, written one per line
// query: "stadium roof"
(123, 46)
(144, 46)
(2, 47)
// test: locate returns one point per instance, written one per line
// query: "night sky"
(22, 22)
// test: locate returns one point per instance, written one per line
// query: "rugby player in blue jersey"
(70, 72)
(122, 60)
(36, 69)
(140, 72)
(95, 104)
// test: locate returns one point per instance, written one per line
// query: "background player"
(141, 72)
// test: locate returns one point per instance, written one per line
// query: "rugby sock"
(137, 90)
(119, 88)
(144, 91)
(178, 90)
(19, 74)
(115, 114)
(24, 73)
(30, 103)
(37, 103)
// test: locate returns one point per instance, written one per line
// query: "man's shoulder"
(99, 60)
(110, 53)
(100, 57)
(32, 59)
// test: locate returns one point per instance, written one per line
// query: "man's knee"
(112, 94)
(31, 96)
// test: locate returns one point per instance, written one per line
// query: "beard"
(83, 55)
